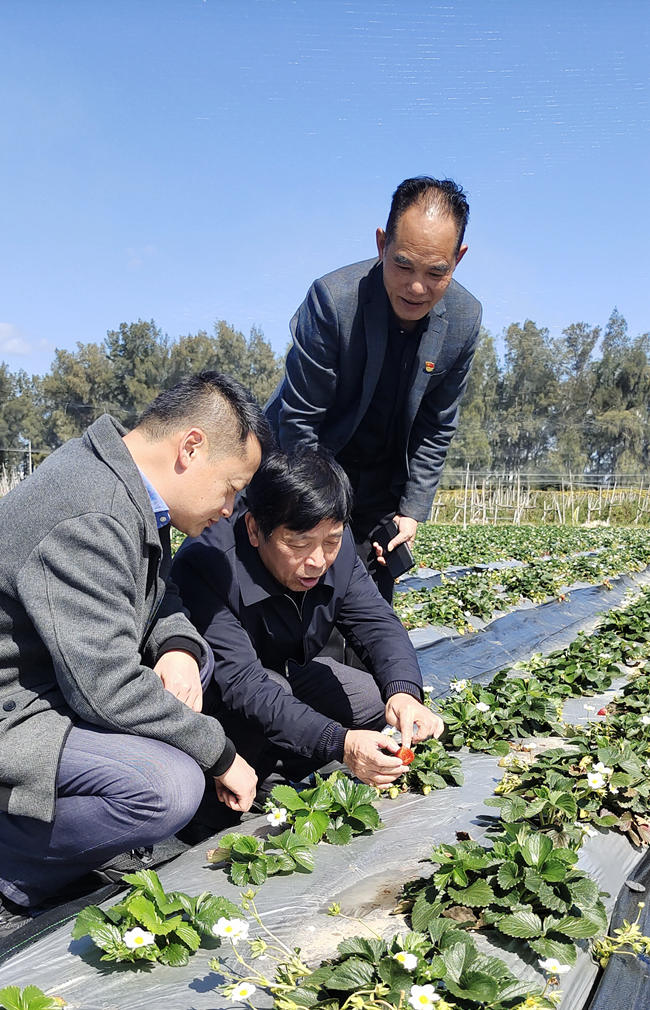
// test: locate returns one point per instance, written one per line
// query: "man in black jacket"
(265, 589)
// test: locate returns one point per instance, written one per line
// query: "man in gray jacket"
(379, 363)
(103, 746)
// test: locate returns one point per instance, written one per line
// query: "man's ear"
(381, 242)
(461, 253)
(190, 444)
(253, 531)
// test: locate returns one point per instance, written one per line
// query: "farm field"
(486, 879)
(533, 564)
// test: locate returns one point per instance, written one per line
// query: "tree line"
(578, 403)
(120, 376)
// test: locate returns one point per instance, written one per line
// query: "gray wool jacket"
(83, 615)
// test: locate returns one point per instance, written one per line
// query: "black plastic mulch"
(625, 982)
(518, 635)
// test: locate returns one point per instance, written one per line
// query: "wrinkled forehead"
(324, 530)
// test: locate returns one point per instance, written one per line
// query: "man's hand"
(364, 754)
(237, 786)
(407, 529)
(403, 710)
(179, 672)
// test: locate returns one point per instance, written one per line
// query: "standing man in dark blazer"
(379, 363)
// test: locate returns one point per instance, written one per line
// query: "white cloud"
(136, 258)
(12, 340)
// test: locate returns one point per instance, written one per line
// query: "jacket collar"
(105, 438)
(256, 583)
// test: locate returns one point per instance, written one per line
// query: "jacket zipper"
(302, 630)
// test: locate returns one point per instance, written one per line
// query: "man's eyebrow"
(440, 268)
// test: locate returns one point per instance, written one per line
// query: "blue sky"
(192, 160)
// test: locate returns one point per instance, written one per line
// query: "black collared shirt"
(373, 458)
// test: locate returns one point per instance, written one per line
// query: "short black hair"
(442, 195)
(219, 404)
(299, 491)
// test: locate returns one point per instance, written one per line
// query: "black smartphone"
(400, 559)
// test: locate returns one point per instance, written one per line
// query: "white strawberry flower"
(389, 731)
(276, 816)
(427, 689)
(595, 780)
(645, 719)
(458, 685)
(243, 991)
(137, 937)
(422, 997)
(482, 707)
(554, 967)
(231, 929)
(603, 769)
(407, 960)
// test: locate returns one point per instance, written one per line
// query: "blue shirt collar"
(159, 507)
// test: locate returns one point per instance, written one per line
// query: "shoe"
(12, 917)
(112, 871)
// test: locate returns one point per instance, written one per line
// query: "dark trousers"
(115, 792)
(379, 573)
(346, 695)
(375, 499)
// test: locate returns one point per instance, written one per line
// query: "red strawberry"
(602, 711)
(405, 755)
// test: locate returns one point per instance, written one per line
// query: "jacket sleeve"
(248, 691)
(433, 429)
(309, 385)
(377, 634)
(204, 578)
(173, 622)
(84, 612)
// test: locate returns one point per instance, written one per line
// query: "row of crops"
(442, 546)
(482, 594)
(517, 883)
(523, 883)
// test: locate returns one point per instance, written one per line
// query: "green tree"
(139, 355)
(573, 412)
(479, 413)
(528, 396)
(76, 391)
(621, 425)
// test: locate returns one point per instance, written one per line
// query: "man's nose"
(316, 558)
(228, 505)
(417, 286)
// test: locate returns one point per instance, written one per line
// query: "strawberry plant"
(522, 886)
(150, 925)
(335, 810)
(29, 998)
(252, 860)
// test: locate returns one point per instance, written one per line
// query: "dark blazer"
(339, 339)
(253, 625)
(84, 614)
